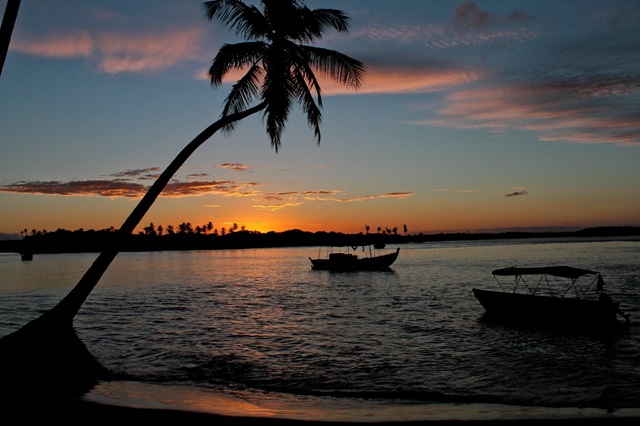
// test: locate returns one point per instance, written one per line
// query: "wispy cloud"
(276, 207)
(283, 200)
(390, 80)
(130, 184)
(593, 110)
(123, 188)
(329, 196)
(238, 167)
(144, 174)
(103, 188)
(469, 17)
(516, 194)
(115, 53)
(574, 80)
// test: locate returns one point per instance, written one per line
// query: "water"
(261, 328)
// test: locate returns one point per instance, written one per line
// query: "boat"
(337, 261)
(26, 255)
(542, 296)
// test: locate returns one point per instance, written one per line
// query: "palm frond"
(232, 57)
(279, 93)
(242, 93)
(316, 22)
(337, 66)
(247, 21)
(309, 106)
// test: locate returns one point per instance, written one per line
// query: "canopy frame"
(573, 274)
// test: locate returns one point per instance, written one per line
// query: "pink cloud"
(238, 167)
(406, 80)
(79, 44)
(388, 80)
(147, 52)
(584, 111)
(119, 52)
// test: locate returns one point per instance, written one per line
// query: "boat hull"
(545, 310)
(353, 263)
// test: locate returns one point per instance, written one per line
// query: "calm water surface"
(262, 326)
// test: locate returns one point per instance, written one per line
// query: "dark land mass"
(91, 241)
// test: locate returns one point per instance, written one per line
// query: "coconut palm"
(279, 66)
(6, 29)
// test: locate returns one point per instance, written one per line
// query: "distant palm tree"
(279, 65)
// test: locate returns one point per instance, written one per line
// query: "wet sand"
(79, 412)
(122, 403)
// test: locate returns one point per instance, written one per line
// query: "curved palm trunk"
(46, 353)
(6, 30)
(68, 307)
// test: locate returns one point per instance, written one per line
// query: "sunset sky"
(473, 116)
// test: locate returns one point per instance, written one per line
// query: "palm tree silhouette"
(279, 65)
(6, 29)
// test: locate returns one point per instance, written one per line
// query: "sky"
(473, 116)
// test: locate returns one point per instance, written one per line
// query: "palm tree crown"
(277, 62)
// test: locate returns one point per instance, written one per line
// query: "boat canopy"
(558, 271)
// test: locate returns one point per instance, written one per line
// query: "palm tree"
(6, 29)
(280, 66)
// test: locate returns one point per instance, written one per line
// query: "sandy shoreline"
(80, 412)
(122, 402)
(274, 405)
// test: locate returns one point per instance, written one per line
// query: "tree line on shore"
(188, 237)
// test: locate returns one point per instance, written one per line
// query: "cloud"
(119, 188)
(120, 53)
(216, 187)
(276, 207)
(115, 53)
(516, 194)
(320, 196)
(144, 174)
(78, 44)
(389, 80)
(293, 198)
(238, 167)
(103, 188)
(469, 17)
(581, 110)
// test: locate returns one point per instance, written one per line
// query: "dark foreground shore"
(79, 412)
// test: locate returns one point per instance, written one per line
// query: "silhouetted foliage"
(64, 241)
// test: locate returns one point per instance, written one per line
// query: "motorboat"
(558, 296)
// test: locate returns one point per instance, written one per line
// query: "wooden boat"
(547, 299)
(351, 262)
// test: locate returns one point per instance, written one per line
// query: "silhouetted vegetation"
(188, 237)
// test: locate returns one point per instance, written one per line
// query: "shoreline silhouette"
(92, 241)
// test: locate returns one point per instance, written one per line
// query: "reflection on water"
(263, 321)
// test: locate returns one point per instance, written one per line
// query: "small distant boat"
(351, 262)
(26, 255)
(543, 301)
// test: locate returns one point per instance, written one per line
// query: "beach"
(77, 412)
(123, 402)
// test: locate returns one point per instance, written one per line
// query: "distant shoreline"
(90, 241)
